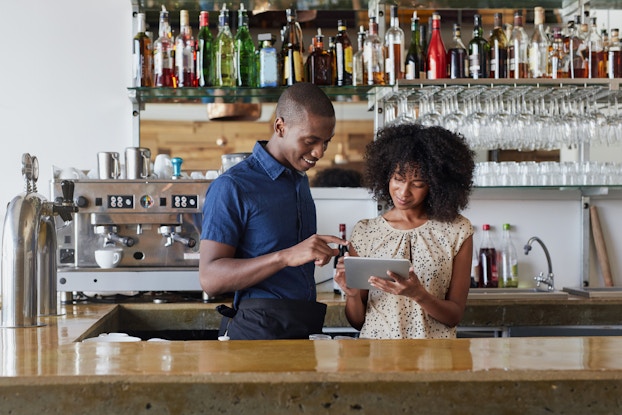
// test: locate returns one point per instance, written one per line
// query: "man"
(258, 236)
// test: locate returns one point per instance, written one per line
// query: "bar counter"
(49, 370)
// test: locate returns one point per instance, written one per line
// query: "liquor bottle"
(558, 60)
(344, 55)
(488, 277)
(143, 55)
(358, 65)
(573, 47)
(268, 62)
(475, 269)
(415, 61)
(614, 58)
(342, 250)
(457, 56)
(332, 52)
(163, 54)
(204, 51)
(319, 62)
(507, 260)
(292, 51)
(517, 49)
(394, 52)
(479, 51)
(185, 53)
(498, 49)
(373, 55)
(244, 51)
(538, 51)
(224, 52)
(423, 38)
(597, 66)
(437, 54)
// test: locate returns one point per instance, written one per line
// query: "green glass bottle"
(224, 52)
(244, 51)
(204, 51)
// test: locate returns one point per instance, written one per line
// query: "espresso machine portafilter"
(155, 223)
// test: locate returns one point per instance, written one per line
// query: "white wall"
(64, 76)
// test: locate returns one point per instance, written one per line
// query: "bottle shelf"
(142, 95)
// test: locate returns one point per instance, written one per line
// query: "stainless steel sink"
(511, 293)
(595, 292)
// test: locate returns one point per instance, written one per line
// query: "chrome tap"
(542, 279)
(170, 232)
(29, 250)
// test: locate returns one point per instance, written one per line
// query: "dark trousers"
(267, 319)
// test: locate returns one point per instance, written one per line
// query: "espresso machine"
(154, 224)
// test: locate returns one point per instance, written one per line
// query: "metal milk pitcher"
(108, 165)
(137, 162)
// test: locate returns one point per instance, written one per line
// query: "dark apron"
(268, 319)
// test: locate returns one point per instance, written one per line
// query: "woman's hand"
(340, 278)
(408, 287)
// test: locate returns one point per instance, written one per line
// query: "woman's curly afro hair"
(442, 158)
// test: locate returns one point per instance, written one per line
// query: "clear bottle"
(343, 55)
(358, 66)
(517, 49)
(498, 49)
(394, 44)
(319, 62)
(614, 58)
(143, 55)
(342, 251)
(597, 65)
(437, 54)
(224, 52)
(292, 51)
(244, 51)
(163, 54)
(185, 53)
(538, 51)
(479, 51)
(332, 52)
(457, 56)
(558, 60)
(373, 55)
(488, 277)
(508, 260)
(573, 47)
(268, 62)
(415, 60)
(204, 51)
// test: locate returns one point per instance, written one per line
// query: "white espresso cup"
(108, 257)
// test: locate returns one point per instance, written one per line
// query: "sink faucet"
(29, 250)
(541, 279)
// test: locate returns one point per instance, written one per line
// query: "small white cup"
(108, 258)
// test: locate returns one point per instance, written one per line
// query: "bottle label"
(474, 65)
(410, 70)
(298, 67)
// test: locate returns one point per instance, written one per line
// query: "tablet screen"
(359, 269)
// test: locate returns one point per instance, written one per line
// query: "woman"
(424, 174)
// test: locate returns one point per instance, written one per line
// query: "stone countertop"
(48, 370)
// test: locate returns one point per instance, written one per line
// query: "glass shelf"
(361, 5)
(143, 95)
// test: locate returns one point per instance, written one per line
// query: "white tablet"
(359, 269)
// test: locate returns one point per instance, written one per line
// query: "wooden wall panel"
(200, 144)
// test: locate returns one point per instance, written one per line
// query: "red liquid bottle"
(437, 55)
(163, 54)
(488, 277)
(342, 251)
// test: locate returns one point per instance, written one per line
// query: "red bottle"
(488, 277)
(437, 55)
